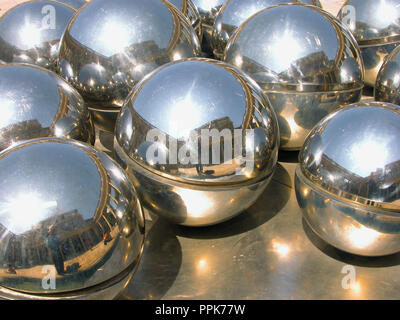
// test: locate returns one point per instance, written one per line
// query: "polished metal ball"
(71, 224)
(35, 102)
(234, 13)
(347, 179)
(199, 140)
(387, 87)
(375, 25)
(190, 11)
(305, 62)
(111, 45)
(31, 31)
(208, 10)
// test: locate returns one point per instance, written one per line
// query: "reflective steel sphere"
(76, 4)
(235, 12)
(110, 45)
(199, 140)
(208, 10)
(31, 32)
(191, 12)
(35, 102)
(308, 66)
(375, 25)
(71, 224)
(347, 179)
(387, 87)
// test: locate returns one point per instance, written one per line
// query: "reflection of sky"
(21, 26)
(358, 142)
(378, 13)
(286, 34)
(188, 95)
(52, 178)
(111, 26)
(21, 88)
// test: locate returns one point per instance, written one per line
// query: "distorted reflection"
(202, 266)
(197, 204)
(361, 237)
(280, 248)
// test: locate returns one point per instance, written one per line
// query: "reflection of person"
(53, 243)
(107, 237)
(11, 255)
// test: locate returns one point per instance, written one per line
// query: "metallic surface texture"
(308, 66)
(375, 25)
(208, 10)
(387, 87)
(77, 220)
(235, 12)
(110, 45)
(190, 11)
(35, 102)
(76, 4)
(166, 127)
(30, 32)
(347, 180)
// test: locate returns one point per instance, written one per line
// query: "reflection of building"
(380, 185)
(21, 131)
(76, 236)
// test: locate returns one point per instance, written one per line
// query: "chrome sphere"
(35, 102)
(375, 25)
(387, 87)
(199, 140)
(190, 11)
(31, 31)
(347, 179)
(71, 224)
(110, 45)
(308, 66)
(76, 4)
(208, 10)
(234, 13)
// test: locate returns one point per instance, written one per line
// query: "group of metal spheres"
(200, 96)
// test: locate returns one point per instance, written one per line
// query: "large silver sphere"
(31, 31)
(375, 25)
(387, 87)
(163, 139)
(111, 45)
(308, 65)
(71, 224)
(35, 102)
(190, 11)
(76, 4)
(235, 12)
(347, 179)
(208, 10)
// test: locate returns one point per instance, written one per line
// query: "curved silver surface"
(352, 158)
(76, 4)
(68, 215)
(235, 12)
(372, 22)
(375, 25)
(31, 31)
(35, 102)
(199, 122)
(208, 10)
(110, 45)
(308, 66)
(387, 87)
(190, 11)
